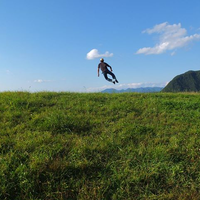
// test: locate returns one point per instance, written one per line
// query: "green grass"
(99, 146)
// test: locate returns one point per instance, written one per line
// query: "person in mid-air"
(104, 68)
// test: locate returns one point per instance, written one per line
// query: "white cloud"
(173, 53)
(41, 81)
(94, 53)
(171, 37)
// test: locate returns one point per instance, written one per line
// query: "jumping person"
(103, 65)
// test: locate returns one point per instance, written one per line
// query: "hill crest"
(186, 82)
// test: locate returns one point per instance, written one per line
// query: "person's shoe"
(116, 81)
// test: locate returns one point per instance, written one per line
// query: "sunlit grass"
(99, 146)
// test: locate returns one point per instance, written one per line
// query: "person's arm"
(110, 67)
(98, 71)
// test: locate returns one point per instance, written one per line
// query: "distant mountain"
(187, 82)
(142, 90)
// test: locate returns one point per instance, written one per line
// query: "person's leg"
(113, 76)
(106, 76)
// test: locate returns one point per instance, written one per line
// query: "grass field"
(99, 146)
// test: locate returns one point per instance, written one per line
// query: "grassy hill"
(99, 146)
(187, 82)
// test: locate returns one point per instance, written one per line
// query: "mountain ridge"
(186, 82)
(140, 90)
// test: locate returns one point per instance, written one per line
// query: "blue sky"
(55, 45)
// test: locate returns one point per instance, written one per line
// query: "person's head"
(101, 60)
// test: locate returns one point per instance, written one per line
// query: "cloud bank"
(171, 37)
(94, 53)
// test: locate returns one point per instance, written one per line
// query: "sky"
(56, 45)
